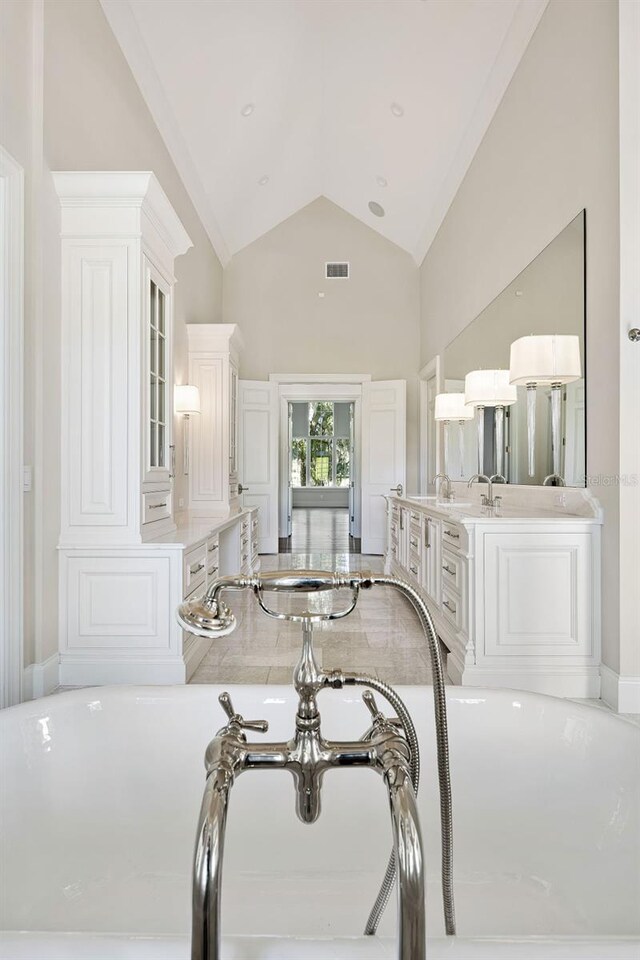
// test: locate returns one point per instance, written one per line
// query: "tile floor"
(319, 529)
(381, 637)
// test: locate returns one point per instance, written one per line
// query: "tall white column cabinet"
(125, 564)
(214, 356)
(120, 237)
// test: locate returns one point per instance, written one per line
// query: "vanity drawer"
(156, 506)
(452, 570)
(414, 541)
(451, 607)
(195, 566)
(453, 535)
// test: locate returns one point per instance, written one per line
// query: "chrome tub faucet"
(390, 746)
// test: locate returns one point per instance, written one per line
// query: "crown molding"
(123, 190)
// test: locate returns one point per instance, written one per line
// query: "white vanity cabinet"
(214, 354)
(515, 599)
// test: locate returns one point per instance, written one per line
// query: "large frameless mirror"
(536, 431)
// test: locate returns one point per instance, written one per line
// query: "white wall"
(367, 324)
(551, 149)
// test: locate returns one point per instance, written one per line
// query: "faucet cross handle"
(260, 726)
(378, 717)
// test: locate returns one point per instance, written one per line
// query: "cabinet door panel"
(534, 586)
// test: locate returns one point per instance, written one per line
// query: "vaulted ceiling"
(267, 104)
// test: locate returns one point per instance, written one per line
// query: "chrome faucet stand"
(389, 746)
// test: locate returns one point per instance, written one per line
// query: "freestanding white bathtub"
(100, 795)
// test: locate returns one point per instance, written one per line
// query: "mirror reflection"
(514, 404)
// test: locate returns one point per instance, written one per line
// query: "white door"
(383, 455)
(258, 456)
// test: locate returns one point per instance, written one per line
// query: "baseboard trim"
(39, 679)
(83, 672)
(622, 694)
(580, 684)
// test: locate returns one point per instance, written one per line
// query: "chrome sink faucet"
(449, 493)
(490, 500)
(390, 746)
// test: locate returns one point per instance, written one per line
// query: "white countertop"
(193, 530)
(465, 510)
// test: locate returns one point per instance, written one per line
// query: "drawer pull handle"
(244, 556)
(414, 516)
(427, 535)
(450, 606)
(157, 506)
(213, 570)
(196, 568)
(214, 546)
(414, 542)
(414, 571)
(454, 536)
(451, 570)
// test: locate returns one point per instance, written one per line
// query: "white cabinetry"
(214, 352)
(516, 600)
(120, 237)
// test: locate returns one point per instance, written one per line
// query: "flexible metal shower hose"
(442, 748)
(362, 680)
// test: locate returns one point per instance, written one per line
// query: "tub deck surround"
(538, 872)
(514, 590)
(118, 604)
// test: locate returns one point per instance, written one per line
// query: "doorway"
(321, 477)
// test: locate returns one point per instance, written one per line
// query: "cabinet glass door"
(158, 365)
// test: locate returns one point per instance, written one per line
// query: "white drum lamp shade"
(489, 388)
(545, 360)
(451, 406)
(186, 399)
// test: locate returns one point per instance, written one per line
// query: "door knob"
(397, 489)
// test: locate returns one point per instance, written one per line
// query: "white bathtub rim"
(454, 692)
(18, 945)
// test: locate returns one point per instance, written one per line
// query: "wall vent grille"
(336, 271)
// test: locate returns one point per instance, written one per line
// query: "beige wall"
(63, 73)
(368, 324)
(551, 149)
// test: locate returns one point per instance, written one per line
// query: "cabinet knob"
(242, 489)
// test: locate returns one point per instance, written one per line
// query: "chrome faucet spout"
(448, 495)
(487, 500)
(408, 851)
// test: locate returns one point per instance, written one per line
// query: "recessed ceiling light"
(397, 109)
(381, 181)
(247, 110)
(376, 209)
(263, 181)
